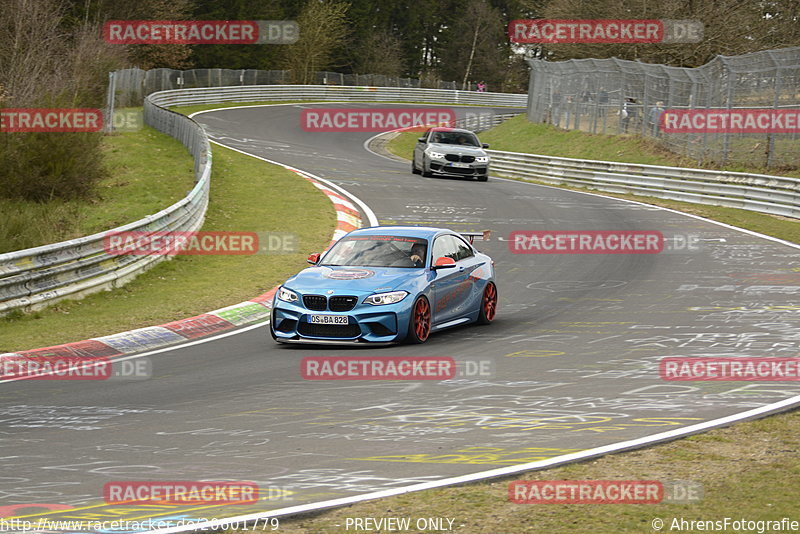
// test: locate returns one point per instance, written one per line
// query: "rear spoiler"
(484, 236)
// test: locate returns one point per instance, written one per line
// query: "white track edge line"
(699, 217)
(502, 471)
(181, 345)
(373, 220)
(369, 213)
(641, 203)
(551, 462)
(302, 102)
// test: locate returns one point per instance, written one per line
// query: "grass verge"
(518, 135)
(135, 187)
(246, 195)
(746, 471)
(188, 110)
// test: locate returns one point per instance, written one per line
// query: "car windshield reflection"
(378, 251)
(455, 138)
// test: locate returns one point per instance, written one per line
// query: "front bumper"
(290, 323)
(470, 169)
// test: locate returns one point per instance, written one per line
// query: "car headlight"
(436, 155)
(482, 159)
(287, 295)
(380, 299)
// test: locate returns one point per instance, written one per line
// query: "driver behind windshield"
(453, 138)
(417, 254)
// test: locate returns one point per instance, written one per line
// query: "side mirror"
(444, 263)
(421, 139)
(485, 145)
(313, 259)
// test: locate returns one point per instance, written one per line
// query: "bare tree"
(480, 19)
(474, 45)
(49, 60)
(32, 47)
(43, 58)
(323, 27)
(380, 53)
(151, 56)
(732, 27)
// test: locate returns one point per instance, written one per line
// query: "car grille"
(458, 170)
(342, 304)
(315, 302)
(337, 304)
(456, 157)
(329, 330)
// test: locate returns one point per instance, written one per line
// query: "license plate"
(328, 319)
(460, 165)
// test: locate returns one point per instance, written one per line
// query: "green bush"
(42, 167)
(25, 224)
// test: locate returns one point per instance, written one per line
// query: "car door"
(419, 148)
(450, 287)
(472, 290)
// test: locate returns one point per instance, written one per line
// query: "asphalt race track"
(572, 357)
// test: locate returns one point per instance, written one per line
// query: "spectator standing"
(654, 118)
(627, 113)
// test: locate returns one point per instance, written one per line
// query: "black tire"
(483, 178)
(418, 334)
(488, 304)
(414, 169)
(426, 174)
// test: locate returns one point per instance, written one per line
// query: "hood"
(457, 149)
(352, 280)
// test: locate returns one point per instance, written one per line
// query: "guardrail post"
(111, 94)
(775, 105)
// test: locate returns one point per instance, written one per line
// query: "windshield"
(378, 251)
(455, 138)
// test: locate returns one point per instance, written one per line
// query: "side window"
(445, 247)
(464, 250)
(426, 134)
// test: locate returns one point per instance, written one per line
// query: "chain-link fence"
(132, 85)
(612, 96)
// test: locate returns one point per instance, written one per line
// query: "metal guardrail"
(32, 278)
(256, 93)
(129, 86)
(35, 277)
(482, 123)
(776, 195)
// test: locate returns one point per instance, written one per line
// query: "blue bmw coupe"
(387, 284)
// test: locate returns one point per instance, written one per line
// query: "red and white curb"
(207, 324)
